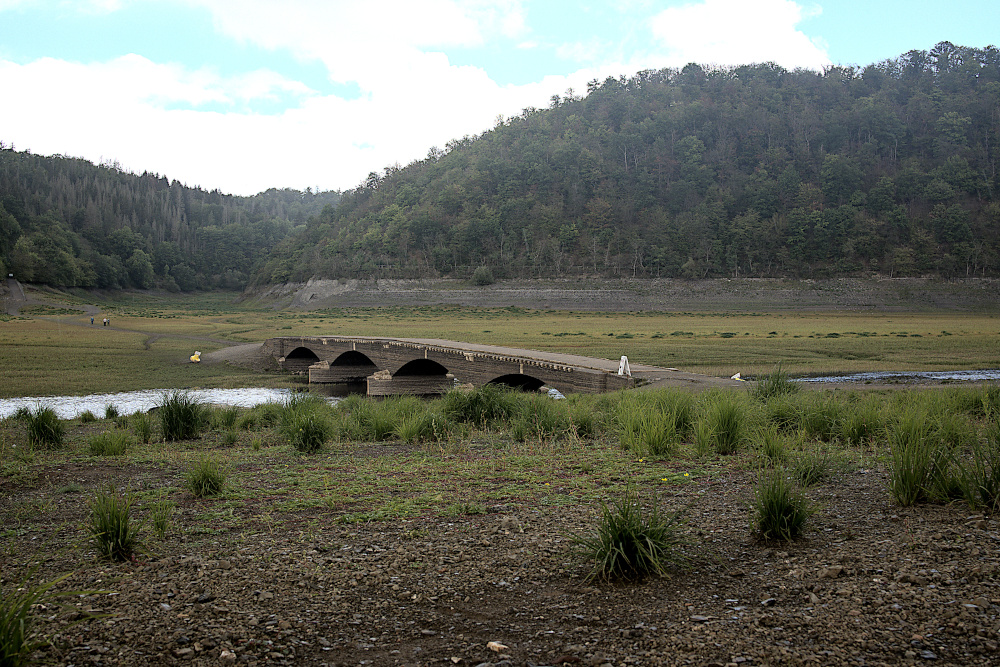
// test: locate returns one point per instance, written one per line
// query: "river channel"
(127, 402)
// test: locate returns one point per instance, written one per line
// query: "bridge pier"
(383, 384)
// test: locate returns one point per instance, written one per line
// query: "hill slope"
(751, 171)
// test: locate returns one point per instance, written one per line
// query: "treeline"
(746, 171)
(68, 222)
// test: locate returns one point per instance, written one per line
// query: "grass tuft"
(45, 429)
(111, 524)
(780, 510)
(182, 417)
(109, 443)
(205, 478)
(775, 383)
(630, 544)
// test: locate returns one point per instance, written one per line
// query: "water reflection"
(128, 402)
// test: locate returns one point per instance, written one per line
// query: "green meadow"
(53, 349)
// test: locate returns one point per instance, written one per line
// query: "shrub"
(181, 416)
(775, 383)
(205, 478)
(779, 509)
(629, 544)
(482, 276)
(110, 443)
(111, 524)
(45, 429)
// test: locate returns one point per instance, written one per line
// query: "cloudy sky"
(243, 95)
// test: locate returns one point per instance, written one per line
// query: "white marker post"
(623, 368)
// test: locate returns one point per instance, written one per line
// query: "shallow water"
(910, 376)
(127, 402)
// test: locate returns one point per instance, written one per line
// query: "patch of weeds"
(225, 418)
(111, 411)
(463, 509)
(229, 438)
(812, 467)
(205, 478)
(423, 427)
(109, 443)
(87, 417)
(481, 406)
(629, 543)
(725, 418)
(779, 510)
(111, 524)
(72, 487)
(160, 517)
(306, 429)
(142, 426)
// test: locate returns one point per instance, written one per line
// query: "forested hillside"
(65, 221)
(748, 171)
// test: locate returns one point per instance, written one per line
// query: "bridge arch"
(421, 367)
(300, 359)
(354, 359)
(518, 381)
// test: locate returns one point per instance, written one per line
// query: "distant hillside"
(739, 172)
(65, 221)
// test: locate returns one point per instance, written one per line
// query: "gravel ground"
(870, 584)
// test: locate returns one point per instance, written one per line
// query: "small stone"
(284, 625)
(928, 655)
(184, 653)
(769, 602)
(227, 656)
(831, 572)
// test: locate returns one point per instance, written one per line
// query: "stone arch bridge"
(388, 366)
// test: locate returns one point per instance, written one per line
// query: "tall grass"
(919, 463)
(182, 417)
(482, 406)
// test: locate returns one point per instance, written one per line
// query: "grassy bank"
(54, 349)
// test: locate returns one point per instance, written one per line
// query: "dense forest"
(728, 172)
(68, 222)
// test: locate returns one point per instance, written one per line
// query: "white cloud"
(738, 32)
(196, 125)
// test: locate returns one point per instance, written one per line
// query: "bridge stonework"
(391, 365)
